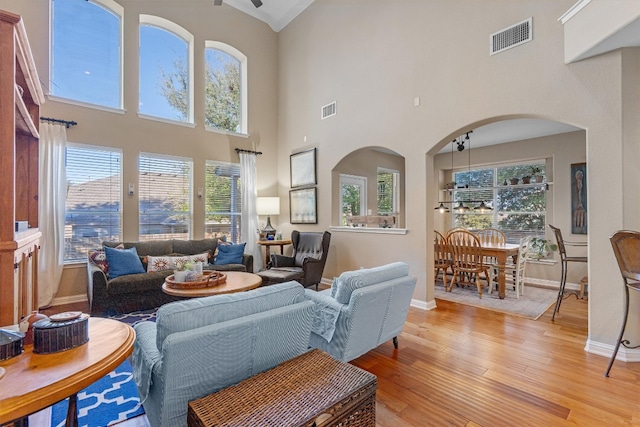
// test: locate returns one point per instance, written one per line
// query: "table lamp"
(268, 206)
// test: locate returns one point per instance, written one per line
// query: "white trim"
(606, 350)
(367, 230)
(70, 101)
(573, 11)
(423, 305)
(168, 121)
(225, 132)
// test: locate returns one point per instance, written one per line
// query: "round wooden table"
(35, 381)
(237, 281)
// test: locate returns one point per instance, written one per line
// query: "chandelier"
(462, 208)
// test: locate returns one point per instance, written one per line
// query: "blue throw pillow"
(123, 261)
(229, 254)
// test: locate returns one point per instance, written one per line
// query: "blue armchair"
(199, 346)
(363, 309)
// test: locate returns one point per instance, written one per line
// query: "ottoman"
(312, 389)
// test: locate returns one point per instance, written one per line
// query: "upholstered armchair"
(363, 309)
(199, 346)
(305, 265)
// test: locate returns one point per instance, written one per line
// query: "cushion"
(349, 281)
(190, 247)
(123, 261)
(99, 258)
(167, 262)
(230, 254)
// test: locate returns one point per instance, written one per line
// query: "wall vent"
(513, 36)
(328, 110)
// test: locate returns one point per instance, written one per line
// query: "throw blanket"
(324, 322)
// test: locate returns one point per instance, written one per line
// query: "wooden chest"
(310, 390)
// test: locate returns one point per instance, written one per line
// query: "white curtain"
(51, 210)
(249, 230)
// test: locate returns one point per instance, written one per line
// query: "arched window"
(166, 70)
(226, 88)
(86, 51)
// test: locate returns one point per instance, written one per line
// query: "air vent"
(511, 37)
(328, 110)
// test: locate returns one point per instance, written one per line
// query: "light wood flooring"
(463, 366)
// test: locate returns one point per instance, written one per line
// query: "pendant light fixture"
(461, 208)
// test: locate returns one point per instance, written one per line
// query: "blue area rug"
(113, 398)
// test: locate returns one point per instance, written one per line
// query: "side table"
(312, 389)
(267, 247)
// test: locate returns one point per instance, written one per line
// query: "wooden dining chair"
(441, 257)
(564, 260)
(626, 247)
(491, 235)
(466, 252)
(516, 271)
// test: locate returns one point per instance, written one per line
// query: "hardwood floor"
(463, 366)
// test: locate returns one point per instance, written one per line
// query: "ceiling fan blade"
(217, 2)
(256, 3)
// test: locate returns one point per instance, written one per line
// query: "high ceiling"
(276, 13)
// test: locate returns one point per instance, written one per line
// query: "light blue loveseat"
(199, 346)
(363, 309)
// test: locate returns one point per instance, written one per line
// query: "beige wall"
(375, 57)
(132, 134)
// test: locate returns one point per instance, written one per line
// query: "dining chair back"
(564, 260)
(516, 270)
(626, 247)
(441, 257)
(467, 258)
(491, 235)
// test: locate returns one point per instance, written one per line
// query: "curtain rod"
(67, 123)
(240, 150)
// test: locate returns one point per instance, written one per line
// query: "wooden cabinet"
(20, 99)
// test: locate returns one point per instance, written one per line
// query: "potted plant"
(182, 270)
(514, 181)
(450, 185)
(526, 179)
(540, 248)
(536, 172)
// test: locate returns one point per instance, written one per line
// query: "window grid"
(165, 197)
(93, 199)
(519, 209)
(223, 201)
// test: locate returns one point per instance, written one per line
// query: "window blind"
(165, 195)
(93, 199)
(223, 200)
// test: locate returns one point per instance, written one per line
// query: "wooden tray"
(206, 280)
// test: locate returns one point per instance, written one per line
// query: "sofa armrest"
(96, 285)
(278, 260)
(247, 260)
(326, 313)
(145, 357)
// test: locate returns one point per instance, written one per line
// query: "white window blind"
(93, 202)
(86, 53)
(165, 195)
(223, 200)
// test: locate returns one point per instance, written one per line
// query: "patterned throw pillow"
(160, 263)
(99, 258)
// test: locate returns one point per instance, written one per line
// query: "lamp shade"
(268, 205)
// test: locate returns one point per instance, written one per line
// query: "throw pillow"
(230, 254)
(168, 262)
(123, 261)
(99, 258)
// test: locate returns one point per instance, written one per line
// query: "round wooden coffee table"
(34, 381)
(237, 281)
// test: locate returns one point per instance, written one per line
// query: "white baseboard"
(423, 305)
(606, 350)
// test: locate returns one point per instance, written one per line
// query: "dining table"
(501, 252)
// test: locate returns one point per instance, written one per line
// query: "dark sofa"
(143, 291)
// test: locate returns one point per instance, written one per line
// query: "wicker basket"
(206, 280)
(310, 390)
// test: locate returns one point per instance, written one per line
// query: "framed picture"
(303, 206)
(579, 198)
(303, 168)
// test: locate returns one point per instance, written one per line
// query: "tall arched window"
(166, 70)
(226, 88)
(86, 51)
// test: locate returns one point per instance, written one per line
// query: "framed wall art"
(303, 168)
(303, 206)
(579, 198)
